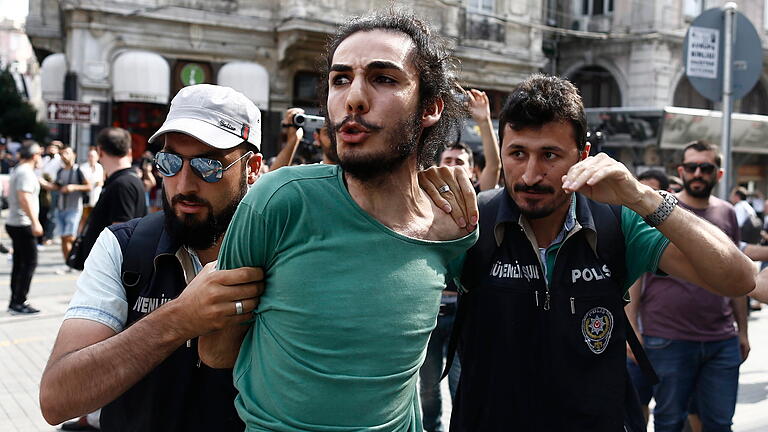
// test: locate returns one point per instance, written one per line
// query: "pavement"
(26, 341)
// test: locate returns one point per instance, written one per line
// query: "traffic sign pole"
(729, 13)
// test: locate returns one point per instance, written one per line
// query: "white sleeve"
(100, 295)
(741, 214)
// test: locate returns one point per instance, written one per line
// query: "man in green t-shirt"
(355, 256)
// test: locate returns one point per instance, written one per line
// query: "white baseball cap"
(218, 116)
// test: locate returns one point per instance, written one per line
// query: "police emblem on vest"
(596, 326)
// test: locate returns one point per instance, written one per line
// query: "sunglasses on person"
(706, 167)
(210, 170)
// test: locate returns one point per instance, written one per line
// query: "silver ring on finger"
(238, 307)
(444, 188)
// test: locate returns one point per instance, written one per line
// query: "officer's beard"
(201, 234)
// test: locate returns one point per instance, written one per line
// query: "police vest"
(181, 393)
(535, 356)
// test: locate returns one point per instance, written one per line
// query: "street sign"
(703, 55)
(71, 112)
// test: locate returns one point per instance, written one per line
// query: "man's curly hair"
(434, 64)
(542, 99)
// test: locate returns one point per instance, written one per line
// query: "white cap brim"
(201, 130)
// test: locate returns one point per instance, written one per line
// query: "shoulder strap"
(634, 343)
(639, 352)
(139, 256)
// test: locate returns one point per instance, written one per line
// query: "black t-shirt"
(121, 200)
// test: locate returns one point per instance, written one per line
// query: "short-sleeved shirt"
(643, 245)
(100, 296)
(73, 200)
(341, 331)
(23, 179)
(676, 309)
(94, 174)
(122, 199)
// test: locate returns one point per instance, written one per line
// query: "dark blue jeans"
(429, 374)
(708, 370)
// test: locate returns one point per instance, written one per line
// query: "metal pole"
(73, 136)
(729, 15)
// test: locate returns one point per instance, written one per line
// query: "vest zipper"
(536, 293)
(570, 234)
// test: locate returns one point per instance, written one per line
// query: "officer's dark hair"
(657, 175)
(459, 145)
(542, 99)
(114, 141)
(29, 149)
(434, 64)
(702, 146)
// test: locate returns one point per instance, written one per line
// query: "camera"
(308, 121)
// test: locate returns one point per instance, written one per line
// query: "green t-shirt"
(342, 328)
(643, 244)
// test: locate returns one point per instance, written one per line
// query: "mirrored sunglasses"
(210, 170)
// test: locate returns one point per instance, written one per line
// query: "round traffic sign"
(703, 54)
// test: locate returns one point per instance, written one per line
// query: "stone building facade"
(131, 57)
(629, 54)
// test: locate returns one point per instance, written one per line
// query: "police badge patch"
(596, 326)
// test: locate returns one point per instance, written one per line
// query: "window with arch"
(597, 86)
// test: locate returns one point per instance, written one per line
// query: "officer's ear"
(584, 153)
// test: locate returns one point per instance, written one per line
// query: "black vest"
(181, 393)
(536, 357)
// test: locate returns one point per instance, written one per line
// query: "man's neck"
(547, 228)
(394, 199)
(692, 201)
(211, 254)
(112, 166)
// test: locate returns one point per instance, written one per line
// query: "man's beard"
(403, 139)
(201, 235)
(541, 210)
(705, 192)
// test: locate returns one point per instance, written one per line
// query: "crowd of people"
(334, 296)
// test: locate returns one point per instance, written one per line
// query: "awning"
(140, 76)
(250, 79)
(52, 73)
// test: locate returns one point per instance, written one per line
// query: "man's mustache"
(357, 119)
(537, 188)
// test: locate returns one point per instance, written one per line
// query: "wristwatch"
(662, 212)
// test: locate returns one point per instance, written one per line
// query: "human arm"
(294, 136)
(81, 375)
(459, 201)
(739, 306)
(699, 252)
(84, 186)
(25, 204)
(761, 287)
(756, 252)
(479, 109)
(147, 177)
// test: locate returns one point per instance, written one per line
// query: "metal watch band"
(662, 212)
